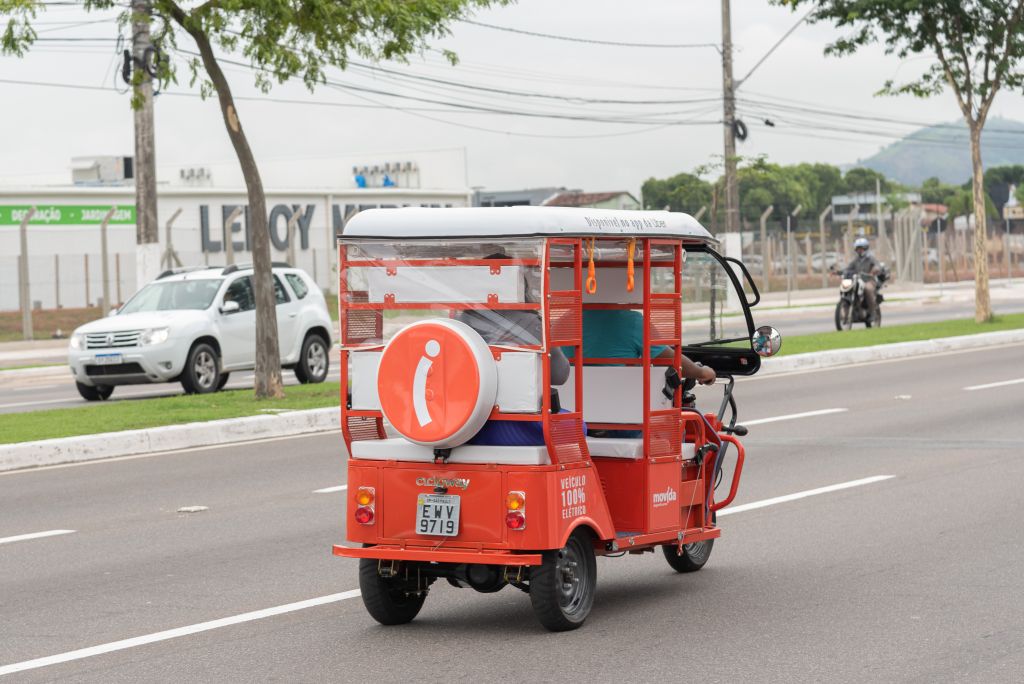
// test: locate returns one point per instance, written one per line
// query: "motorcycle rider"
(868, 267)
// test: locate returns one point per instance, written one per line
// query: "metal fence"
(912, 253)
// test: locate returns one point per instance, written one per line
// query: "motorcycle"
(852, 306)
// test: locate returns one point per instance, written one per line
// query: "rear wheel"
(202, 370)
(94, 392)
(314, 361)
(388, 600)
(562, 588)
(693, 557)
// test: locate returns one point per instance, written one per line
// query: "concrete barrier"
(168, 438)
(885, 352)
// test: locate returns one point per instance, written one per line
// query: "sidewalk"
(34, 353)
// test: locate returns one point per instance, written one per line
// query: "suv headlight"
(153, 336)
(77, 341)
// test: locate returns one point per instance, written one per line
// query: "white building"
(65, 264)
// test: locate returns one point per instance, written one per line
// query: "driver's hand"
(707, 376)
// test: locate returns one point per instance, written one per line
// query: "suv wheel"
(202, 370)
(94, 393)
(314, 361)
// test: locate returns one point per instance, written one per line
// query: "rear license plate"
(437, 514)
(108, 359)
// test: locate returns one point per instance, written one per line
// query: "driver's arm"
(705, 375)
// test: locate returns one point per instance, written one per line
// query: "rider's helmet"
(860, 243)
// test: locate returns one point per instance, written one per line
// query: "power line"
(590, 41)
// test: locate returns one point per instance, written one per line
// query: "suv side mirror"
(229, 307)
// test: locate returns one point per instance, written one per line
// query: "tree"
(762, 183)
(281, 39)
(683, 192)
(934, 191)
(978, 47)
(860, 180)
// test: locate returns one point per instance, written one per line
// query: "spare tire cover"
(437, 382)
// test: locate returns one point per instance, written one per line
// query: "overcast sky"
(315, 145)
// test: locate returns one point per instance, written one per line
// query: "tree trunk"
(982, 304)
(268, 356)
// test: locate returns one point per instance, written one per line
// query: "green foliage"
(934, 191)
(683, 192)
(764, 184)
(864, 337)
(979, 44)
(863, 180)
(281, 39)
(961, 203)
(146, 413)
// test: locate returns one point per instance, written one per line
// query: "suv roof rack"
(179, 271)
(241, 267)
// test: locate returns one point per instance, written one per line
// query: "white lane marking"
(174, 633)
(329, 490)
(1004, 383)
(332, 598)
(803, 495)
(33, 535)
(793, 416)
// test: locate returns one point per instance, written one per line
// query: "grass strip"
(145, 413)
(136, 414)
(913, 332)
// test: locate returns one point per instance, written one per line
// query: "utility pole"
(147, 232)
(732, 190)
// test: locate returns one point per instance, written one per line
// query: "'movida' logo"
(664, 498)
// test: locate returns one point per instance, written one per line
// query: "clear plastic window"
(712, 309)
(494, 287)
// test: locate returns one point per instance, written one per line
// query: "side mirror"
(766, 341)
(113, 312)
(230, 307)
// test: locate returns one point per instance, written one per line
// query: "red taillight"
(364, 515)
(515, 520)
(515, 503)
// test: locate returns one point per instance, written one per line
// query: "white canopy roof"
(489, 222)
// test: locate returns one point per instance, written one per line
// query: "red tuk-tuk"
(512, 403)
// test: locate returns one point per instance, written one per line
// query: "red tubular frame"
(565, 442)
(740, 455)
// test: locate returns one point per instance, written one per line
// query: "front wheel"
(562, 588)
(314, 360)
(94, 392)
(844, 315)
(388, 600)
(202, 370)
(693, 557)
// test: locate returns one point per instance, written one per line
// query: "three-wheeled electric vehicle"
(513, 402)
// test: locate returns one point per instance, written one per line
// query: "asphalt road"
(912, 578)
(46, 389)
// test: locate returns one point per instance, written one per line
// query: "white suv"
(196, 326)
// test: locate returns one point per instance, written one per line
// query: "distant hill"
(945, 151)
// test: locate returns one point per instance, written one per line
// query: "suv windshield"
(178, 294)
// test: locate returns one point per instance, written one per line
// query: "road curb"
(233, 430)
(169, 438)
(835, 358)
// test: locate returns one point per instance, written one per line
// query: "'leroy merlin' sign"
(62, 214)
